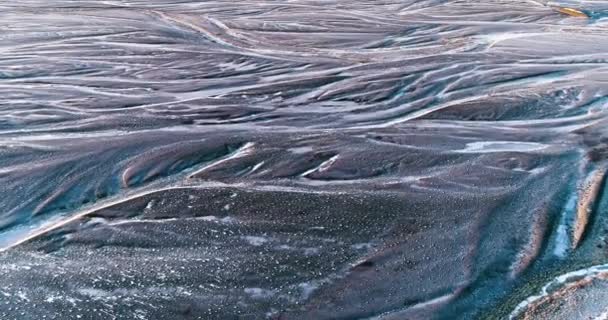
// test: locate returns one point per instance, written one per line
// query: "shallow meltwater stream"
(414, 159)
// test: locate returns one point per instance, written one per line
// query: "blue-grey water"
(303, 159)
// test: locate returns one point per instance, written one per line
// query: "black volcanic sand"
(230, 252)
(355, 238)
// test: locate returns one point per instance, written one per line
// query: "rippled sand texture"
(175, 159)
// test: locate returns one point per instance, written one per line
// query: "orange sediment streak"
(587, 197)
(537, 233)
(572, 12)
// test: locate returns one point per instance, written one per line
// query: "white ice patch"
(494, 38)
(93, 293)
(23, 296)
(259, 293)
(362, 246)
(502, 146)
(244, 66)
(301, 150)
(255, 241)
(311, 251)
(226, 219)
(150, 205)
(602, 316)
(322, 167)
(308, 288)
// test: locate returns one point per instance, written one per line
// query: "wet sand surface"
(428, 159)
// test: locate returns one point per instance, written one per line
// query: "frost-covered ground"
(303, 159)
